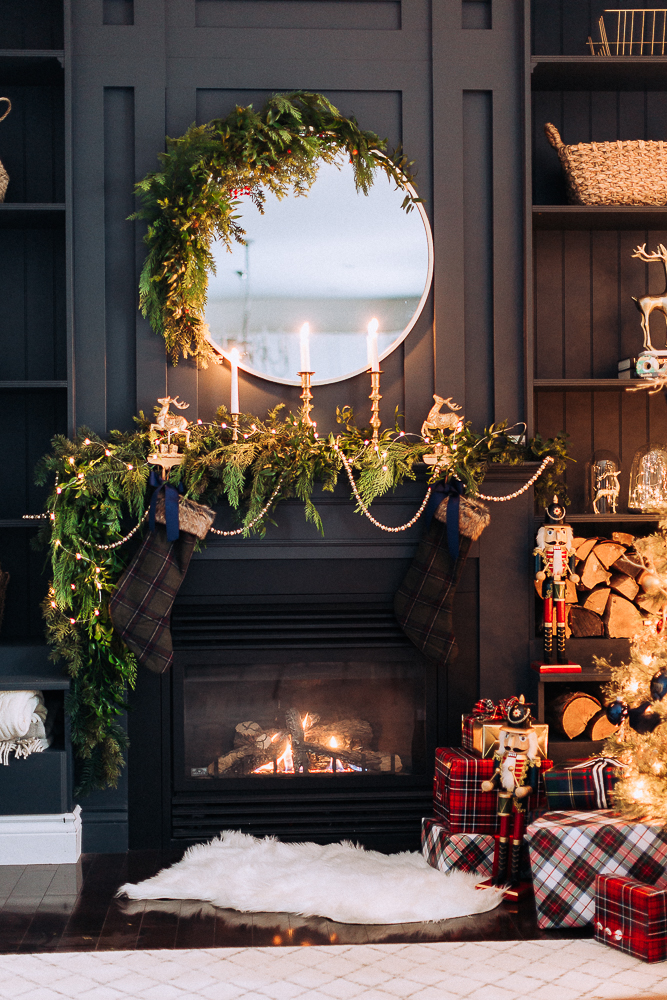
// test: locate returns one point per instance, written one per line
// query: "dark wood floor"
(73, 908)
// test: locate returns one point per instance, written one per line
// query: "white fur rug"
(340, 881)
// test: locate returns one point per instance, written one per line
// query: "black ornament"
(616, 712)
(659, 685)
(643, 719)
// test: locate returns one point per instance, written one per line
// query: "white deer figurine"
(648, 303)
(437, 421)
(171, 422)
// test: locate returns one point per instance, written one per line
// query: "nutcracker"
(554, 564)
(515, 777)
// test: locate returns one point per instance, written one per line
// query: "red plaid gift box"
(631, 916)
(586, 786)
(457, 796)
(568, 850)
(469, 852)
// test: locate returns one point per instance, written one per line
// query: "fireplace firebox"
(308, 721)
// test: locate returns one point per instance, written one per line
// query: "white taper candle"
(372, 346)
(234, 361)
(305, 347)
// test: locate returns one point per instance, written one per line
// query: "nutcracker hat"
(555, 512)
(518, 714)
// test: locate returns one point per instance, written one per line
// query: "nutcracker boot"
(502, 839)
(559, 601)
(548, 635)
(515, 847)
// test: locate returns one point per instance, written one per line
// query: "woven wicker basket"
(4, 176)
(613, 173)
(192, 517)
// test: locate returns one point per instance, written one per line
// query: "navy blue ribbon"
(454, 489)
(170, 504)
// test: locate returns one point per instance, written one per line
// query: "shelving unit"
(34, 333)
(580, 272)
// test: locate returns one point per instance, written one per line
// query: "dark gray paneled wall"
(120, 292)
(444, 79)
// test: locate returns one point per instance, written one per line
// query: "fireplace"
(308, 721)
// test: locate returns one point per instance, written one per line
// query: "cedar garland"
(100, 492)
(193, 199)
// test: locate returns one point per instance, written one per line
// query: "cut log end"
(571, 712)
(599, 727)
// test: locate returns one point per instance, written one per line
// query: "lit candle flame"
(333, 742)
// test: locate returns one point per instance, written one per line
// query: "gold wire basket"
(641, 32)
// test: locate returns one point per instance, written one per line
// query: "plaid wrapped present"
(568, 849)
(584, 786)
(457, 796)
(631, 916)
(468, 852)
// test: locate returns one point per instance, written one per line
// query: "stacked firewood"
(614, 593)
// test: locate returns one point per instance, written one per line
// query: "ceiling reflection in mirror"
(336, 260)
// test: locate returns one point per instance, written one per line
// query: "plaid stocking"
(142, 602)
(424, 601)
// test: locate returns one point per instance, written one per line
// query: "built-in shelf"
(601, 216)
(585, 384)
(18, 522)
(16, 384)
(22, 215)
(599, 72)
(31, 66)
(608, 518)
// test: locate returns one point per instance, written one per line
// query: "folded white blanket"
(22, 714)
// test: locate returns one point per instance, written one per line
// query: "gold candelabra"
(235, 427)
(375, 396)
(306, 396)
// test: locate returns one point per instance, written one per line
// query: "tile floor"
(496, 970)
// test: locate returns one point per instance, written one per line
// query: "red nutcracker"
(554, 565)
(516, 775)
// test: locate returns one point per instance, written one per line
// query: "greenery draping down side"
(194, 198)
(100, 493)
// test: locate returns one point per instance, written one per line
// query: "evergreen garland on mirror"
(194, 198)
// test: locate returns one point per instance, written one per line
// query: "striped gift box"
(631, 916)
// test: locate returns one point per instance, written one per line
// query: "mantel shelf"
(598, 72)
(583, 217)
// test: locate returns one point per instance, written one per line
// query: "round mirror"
(336, 260)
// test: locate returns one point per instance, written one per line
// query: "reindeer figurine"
(171, 422)
(607, 486)
(437, 421)
(649, 303)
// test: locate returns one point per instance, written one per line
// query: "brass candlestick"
(235, 427)
(375, 396)
(306, 396)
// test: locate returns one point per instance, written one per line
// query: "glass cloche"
(603, 489)
(648, 479)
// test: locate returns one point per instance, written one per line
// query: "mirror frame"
(409, 189)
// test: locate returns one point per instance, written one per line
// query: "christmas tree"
(636, 696)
